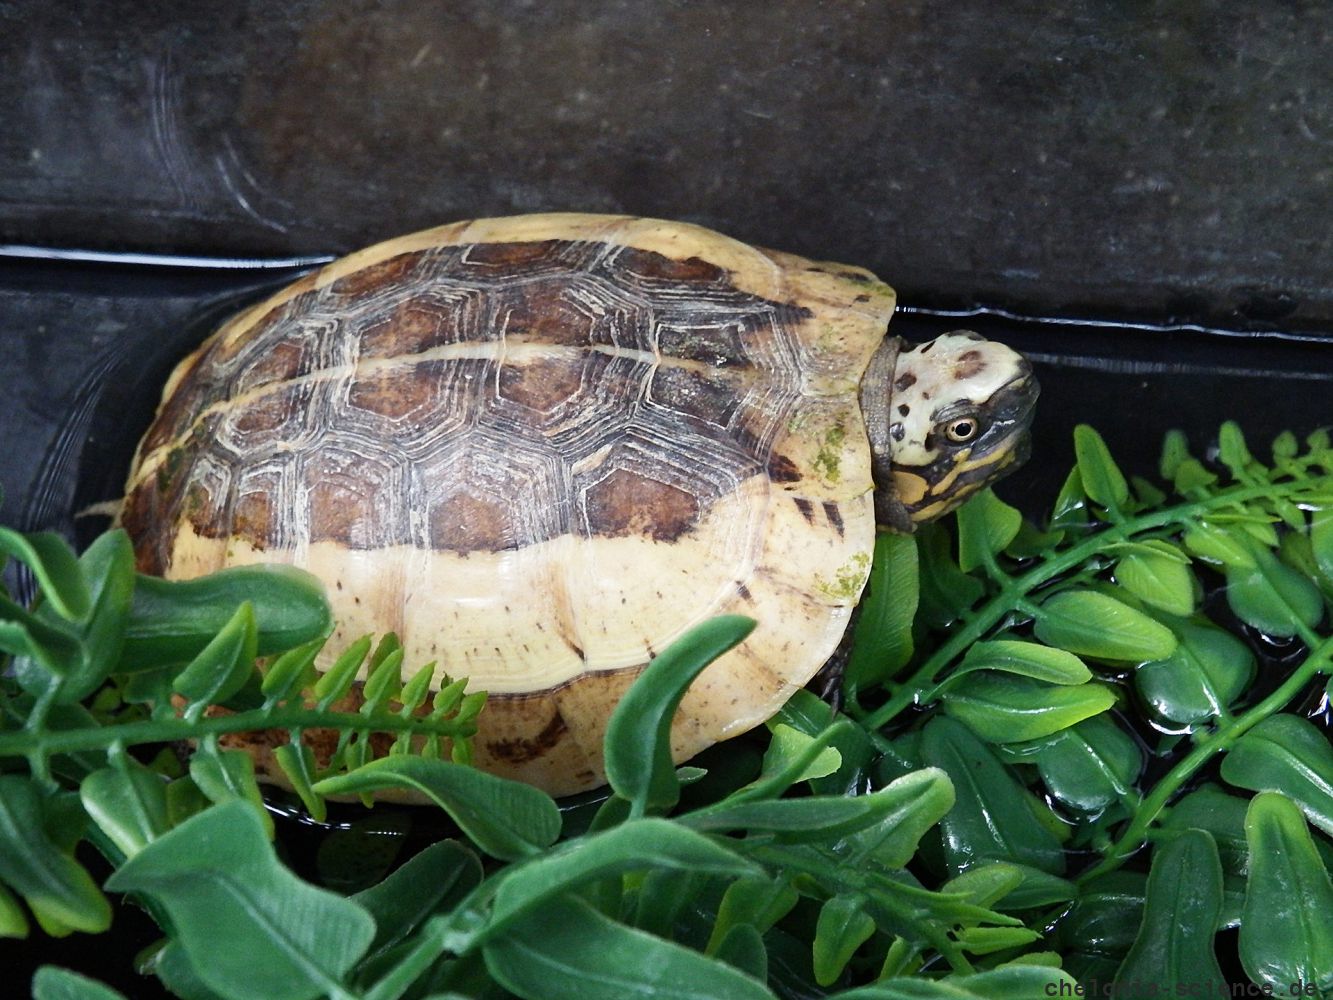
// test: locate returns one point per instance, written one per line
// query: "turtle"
(540, 448)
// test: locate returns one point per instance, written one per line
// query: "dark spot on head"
(897, 431)
(782, 469)
(863, 297)
(904, 381)
(927, 346)
(577, 649)
(969, 363)
(806, 508)
(904, 409)
(743, 591)
(629, 503)
(833, 514)
(520, 750)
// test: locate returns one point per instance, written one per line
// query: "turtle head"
(946, 419)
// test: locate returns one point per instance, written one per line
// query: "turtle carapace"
(540, 448)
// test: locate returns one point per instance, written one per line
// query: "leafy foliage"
(1026, 709)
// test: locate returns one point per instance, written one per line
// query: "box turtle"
(540, 448)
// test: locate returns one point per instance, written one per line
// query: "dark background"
(1139, 195)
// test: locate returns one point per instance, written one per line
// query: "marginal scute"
(540, 449)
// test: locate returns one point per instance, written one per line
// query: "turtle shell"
(539, 449)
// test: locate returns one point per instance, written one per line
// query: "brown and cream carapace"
(540, 448)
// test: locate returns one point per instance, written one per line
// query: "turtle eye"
(961, 430)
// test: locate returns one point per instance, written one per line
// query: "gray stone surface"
(1165, 160)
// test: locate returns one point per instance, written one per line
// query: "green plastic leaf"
(843, 927)
(1175, 450)
(1287, 754)
(1031, 542)
(25, 634)
(1285, 445)
(1105, 917)
(55, 567)
(128, 802)
(1102, 479)
(1091, 765)
(1215, 544)
(992, 819)
(1018, 982)
(1071, 503)
(1174, 946)
(172, 620)
(988, 940)
(1090, 623)
(54, 983)
(248, 925)
(1191, 476)
(1026, 659)
(912, 804)
(335, 682)
(60, 892)
(1209, 669)
(754, 900)
(985, 885)
(1273, 597)
(1286, 930)
(882, 638)
(299, 765)
(640, 845)
(1159, 580)
(744, 950)
(292, 672)
(1321, 541)
(1006, 709)
(224, 665)
(229, 775)
(507, 819)
(107, 568)
(793, 756)
(401, 902)
(1232, 449)
(639, 766)
(13, 920)
(897, 808)
(1221, 815)
(946, 591)
(661, 898)
(1147, 493)
(173, 969)
(569, 949)
(986, 526)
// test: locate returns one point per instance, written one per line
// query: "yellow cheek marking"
(940, 507)
(999, 459)
(910, 489)
(960, 465)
